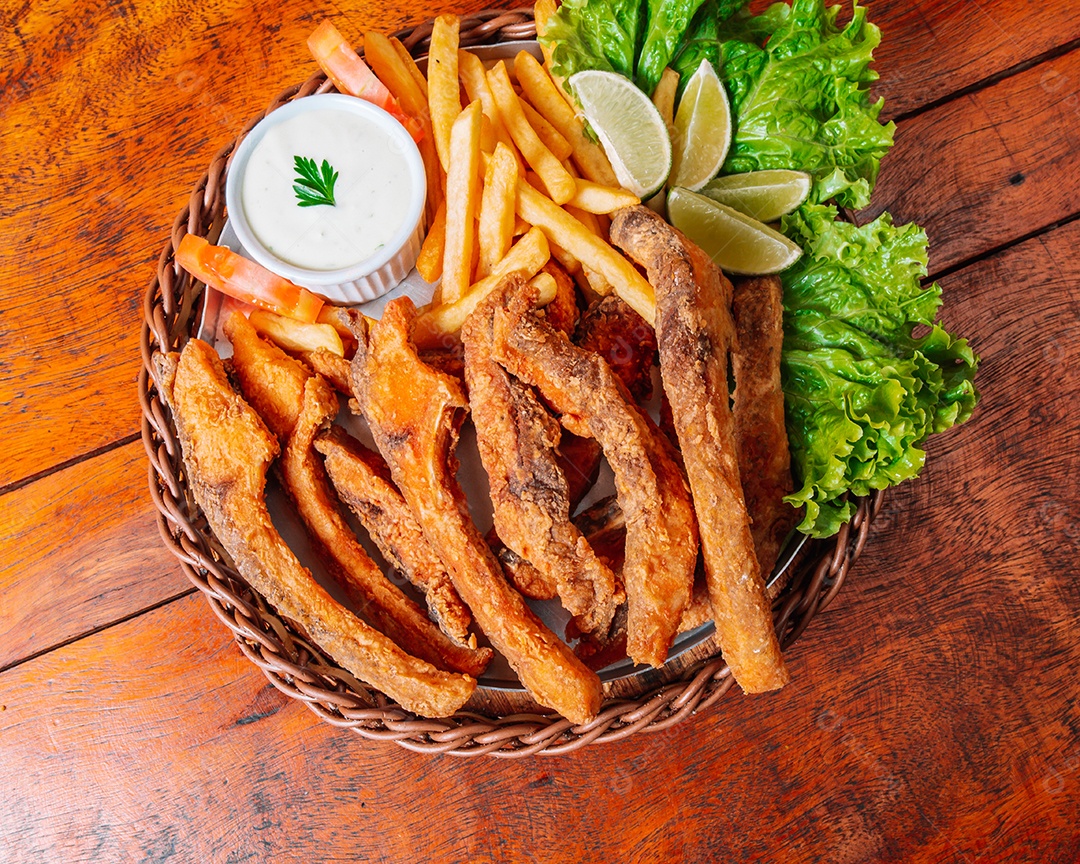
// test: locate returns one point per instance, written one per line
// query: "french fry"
(410, 64)
(594, 198)
(567, 261)
(429, 264)
(547, 286)
(439, 321)
(663, 96)
(560, 148)
(548, 100)
(585, 218)
(444, 92)
(556, 178)
(564, 230)
(399, 80)
(520, 225)
(294, 335)
(462, 200)
(597, 282)
(474, 80)
(497, 209)
(542, 12)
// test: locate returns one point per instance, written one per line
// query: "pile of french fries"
(513, 180)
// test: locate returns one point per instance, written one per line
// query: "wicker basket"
(300, 669)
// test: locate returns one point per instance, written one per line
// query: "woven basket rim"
(290, 661)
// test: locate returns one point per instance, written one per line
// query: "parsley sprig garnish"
(311, 187)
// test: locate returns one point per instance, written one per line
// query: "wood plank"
(931, 48)
(80, 550)
(987, 168)
(931, 716)
(74, 283)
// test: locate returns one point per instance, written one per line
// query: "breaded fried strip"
(227, 450)
(622, 337)
(278, 389)
(414, 413)
(661, 541)
(760, 429)
(517, 438)
(695, 331)
(381, 601)
(362, 480)
(258, 366)
(331, 366)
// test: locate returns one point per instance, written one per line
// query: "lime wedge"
(629, 127)
(702, 130)
(765, 195)
(737, 243)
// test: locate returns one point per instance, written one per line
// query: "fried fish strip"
(363, 481)
(760, 429)
(695, 332)
(415, 414)
(661, 541)
(227, 450)
(517, 438)
(305, 482)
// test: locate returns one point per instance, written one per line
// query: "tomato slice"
(232, 274)
(352, 75)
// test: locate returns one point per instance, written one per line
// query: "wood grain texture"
(932, 48)
(110, 116)
(931, 715)
(80, 549)
(990, 167)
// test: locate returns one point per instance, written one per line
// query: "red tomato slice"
(352, 75)
(232, 274)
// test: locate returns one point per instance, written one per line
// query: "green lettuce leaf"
(862, 390)
(798, 84)
(635, 39)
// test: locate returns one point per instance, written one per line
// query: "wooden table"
(933, 713)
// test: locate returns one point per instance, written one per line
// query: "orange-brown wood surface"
(932, 715)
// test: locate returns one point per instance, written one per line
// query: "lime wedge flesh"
(702, 130)
(764, 195)
(736, 242)
(629, 127)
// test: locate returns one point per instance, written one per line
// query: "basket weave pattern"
(297, 667)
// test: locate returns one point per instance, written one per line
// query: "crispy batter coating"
(227, 450)
(517, 439)
(760, 429)
(661, 541)
(332, 367)
(562, 312)
(415, 413)
(257, 367)
(695, 332)
(363, 481)
(623, 338)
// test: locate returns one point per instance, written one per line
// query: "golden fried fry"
(565, 231)
(474, 80)
(293, 335)
(556, 178)
(594, 198)
(430, 262)
(444, 96)
(497, 206)
(462, 203)
(442, 320)
(550, 136)
(548, 99)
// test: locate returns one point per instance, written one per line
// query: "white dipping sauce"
(372, 192)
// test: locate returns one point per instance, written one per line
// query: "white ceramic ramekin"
(366, 279)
